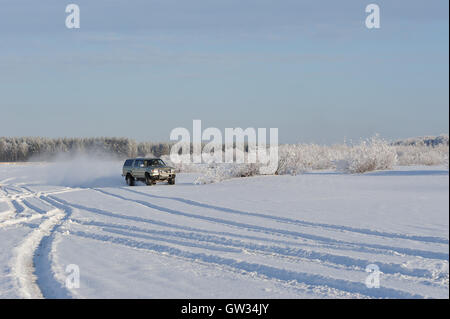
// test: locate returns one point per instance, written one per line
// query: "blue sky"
(141, 68)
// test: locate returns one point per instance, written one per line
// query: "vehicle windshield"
(155, 162)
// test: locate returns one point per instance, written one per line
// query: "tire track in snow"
(23, 266)
(263, 270)
(19, 208)
(282, 232)
(20, 211)
(427, 239)
(32, 263)
(35, 207)
(179, 227)
(199, 235)
(24, 195)
(282, 251)
(10, 212)
(45, 277)
(3, 181)
(19, 215)
(17, 192)
(160, 223)
(340, 261)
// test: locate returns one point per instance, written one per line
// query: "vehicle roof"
(144, 158)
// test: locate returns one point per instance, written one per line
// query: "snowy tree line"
(367, 155)
(21, 149)
(433, 141)
(363, 156)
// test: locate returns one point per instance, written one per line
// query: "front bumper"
(162, 177)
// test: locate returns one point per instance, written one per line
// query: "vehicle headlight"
(155, 171)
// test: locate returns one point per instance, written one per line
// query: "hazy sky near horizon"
(141, 68)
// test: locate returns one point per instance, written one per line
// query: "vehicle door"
(127, 167)
(138, 169)
(147, 166)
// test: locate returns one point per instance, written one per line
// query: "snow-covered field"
(305, 236)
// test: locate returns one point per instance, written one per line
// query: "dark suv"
(148, 170)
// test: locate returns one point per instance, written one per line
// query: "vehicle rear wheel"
(130, 180)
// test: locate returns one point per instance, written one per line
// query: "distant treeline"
(424, 141)
(21, 149)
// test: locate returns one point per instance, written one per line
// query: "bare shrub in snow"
(298, 158)
(214, 172)
(372, 154)
(369, 155)
(422, 154)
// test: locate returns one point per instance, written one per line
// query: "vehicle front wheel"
(148, 180)
(172, 181)
(130, 180)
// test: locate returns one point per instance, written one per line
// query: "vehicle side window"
(158, 162)
(128, 163)
(137, 163)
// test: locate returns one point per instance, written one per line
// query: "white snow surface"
(305, 236)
